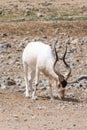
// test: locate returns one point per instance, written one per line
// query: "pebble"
(54, 40)
(10, 82)
(3, 35)
(27, 12)
(4, 86)
(40, 15)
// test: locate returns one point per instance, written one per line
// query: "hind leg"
(30, 79)
(25, 66)
(36, 83)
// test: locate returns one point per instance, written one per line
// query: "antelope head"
(61, 85)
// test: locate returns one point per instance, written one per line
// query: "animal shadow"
(66, 99)
(69, 99)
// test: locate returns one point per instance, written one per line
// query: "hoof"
(52, 99)
(27, 95)
(34, 97)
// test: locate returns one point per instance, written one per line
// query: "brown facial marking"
(61, 86)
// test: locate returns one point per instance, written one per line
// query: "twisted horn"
(68, 75)
(57, 58)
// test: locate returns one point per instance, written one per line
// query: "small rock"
(45, 37)
(35, 39)
(15, 116)
(27, 12)
(4, 86)
(26, 39)
(68, 40)
(8, 45)
(40, 15)
(74, 125)
(54, 41)
(57, 31)
(11, 82)
(1, 46)
(75, 41)
(70, 94)
(3, 35)
(1, 11)
(25, 120)
(24, 42)
(33, 117)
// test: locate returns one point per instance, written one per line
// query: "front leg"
(50, 92)
(34, 97)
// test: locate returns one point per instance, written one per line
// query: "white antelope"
(38, 57)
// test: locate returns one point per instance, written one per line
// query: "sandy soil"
(16, 112)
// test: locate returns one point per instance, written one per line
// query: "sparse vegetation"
(53, 11)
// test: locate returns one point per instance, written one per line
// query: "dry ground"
(17, 112)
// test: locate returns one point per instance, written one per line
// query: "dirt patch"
(18, 112)
(35, 29)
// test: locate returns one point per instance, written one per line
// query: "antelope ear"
(57, 58)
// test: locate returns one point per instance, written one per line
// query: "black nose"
(62, 98)
(64, 83)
